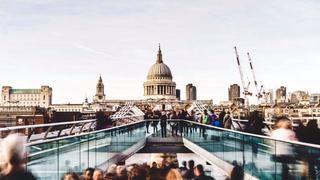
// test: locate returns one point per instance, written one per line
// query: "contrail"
(88, 49)
(80, 45)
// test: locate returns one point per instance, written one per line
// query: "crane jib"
(238, 61)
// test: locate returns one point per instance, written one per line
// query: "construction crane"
(245, 87)
(259, 91)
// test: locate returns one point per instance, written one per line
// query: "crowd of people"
(165, 171)
(143, 172)
(255, 124)
(179, 127)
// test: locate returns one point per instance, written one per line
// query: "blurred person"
(155, 122)
(312, 135)
(87, 174)
(154, 165)
(13, 154)
(183, 115)
(283, 130)
(205, 118)
(214, 119)
(284, 151)
(98, 174)
(255, 124)
(237, 173)
(111, 172)
(147, 117)
(70, 176)
(163, 123)
(173, 174)
(184, 166)
(174, 124)
(137, 173)
(227, 121)
(312, 132)
(183, 169)
(154, 171)
(101, 120)
(193, 117)
(199, 173)
(121, 173)
(190, 172)
(221, 117)
(300, 131)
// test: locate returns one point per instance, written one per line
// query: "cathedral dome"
(159, 70)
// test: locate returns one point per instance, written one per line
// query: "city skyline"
(66, 45)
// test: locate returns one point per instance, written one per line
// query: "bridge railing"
(55, 130)
(50, 130)
(51, 158)
(262, 157)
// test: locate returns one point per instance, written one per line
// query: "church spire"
(100, 79)
(100, 96)
(159, 56)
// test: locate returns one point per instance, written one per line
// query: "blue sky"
(67, 44)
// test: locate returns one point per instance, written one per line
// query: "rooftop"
(25, 91)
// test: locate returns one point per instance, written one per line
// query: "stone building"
(26, 97)
(159, 84)
(191, 92)
(281, 94)
(178, 94)
(234, 92)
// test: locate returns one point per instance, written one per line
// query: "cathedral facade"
(159, 84)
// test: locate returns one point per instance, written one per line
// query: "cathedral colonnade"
(159, 90)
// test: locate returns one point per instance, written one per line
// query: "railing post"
(47, 132)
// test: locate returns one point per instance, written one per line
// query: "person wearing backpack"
(205, 117)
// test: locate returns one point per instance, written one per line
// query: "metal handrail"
(45, 125)
(255, 135)
(243, 133)
(82, 134)
(57, 124)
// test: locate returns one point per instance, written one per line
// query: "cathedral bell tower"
(100, 96)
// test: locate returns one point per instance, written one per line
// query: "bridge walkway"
(260, 156)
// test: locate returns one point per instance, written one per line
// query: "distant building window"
(5, 98)
(44, 97)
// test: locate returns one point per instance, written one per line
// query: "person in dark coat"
(163, 123)
(312, 134)
(199, 173)
(255, 124)
(147, 117)
(300, 131)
